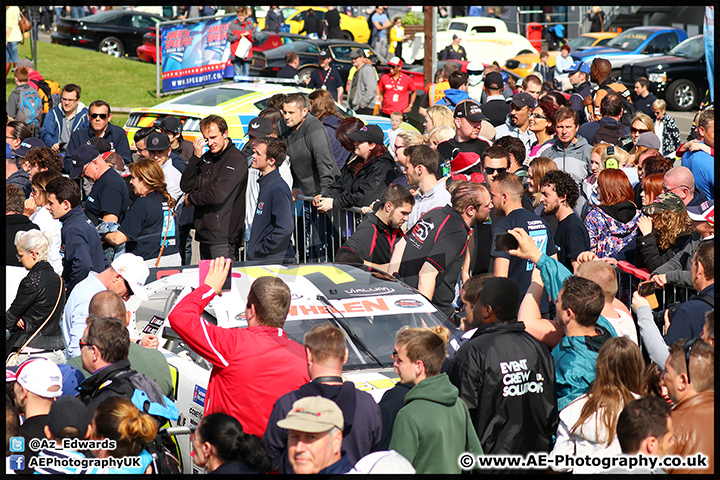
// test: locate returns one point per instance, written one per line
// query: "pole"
(33, 43)
(158, 32)
(430, 62)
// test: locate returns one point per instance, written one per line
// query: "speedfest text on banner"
(195, 54)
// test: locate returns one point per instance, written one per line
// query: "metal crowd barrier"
(317, 236)
(629, 277)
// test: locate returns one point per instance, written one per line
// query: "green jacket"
(434, 427)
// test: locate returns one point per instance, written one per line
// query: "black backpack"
(613, 134)
(628, 107)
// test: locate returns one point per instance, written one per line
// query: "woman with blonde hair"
(438, 115)
(149, 228)
(397, 37)
(35, 314)
(536, 170)
(403, 140)
(323, 106)
(434, 426)
(117, 419)
(438, 135)
(588, 424)
(640, 124)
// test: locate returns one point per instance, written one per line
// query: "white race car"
(485, 40)
(369, 305)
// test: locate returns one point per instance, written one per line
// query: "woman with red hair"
(652, 186)
(612, 224)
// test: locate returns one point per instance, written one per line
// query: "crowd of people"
(510, 212)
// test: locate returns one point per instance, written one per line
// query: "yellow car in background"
(354, 29)
(524, 64)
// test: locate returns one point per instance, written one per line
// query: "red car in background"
(261, 41)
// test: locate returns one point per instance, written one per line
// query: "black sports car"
(267, 63)
(116, 32)
(679, 77)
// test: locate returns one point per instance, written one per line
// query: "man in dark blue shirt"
(327, 78)
(559, 194)
(292, 61)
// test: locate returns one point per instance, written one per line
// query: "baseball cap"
(82, 155)
(395, 61)
(578, 66)
(523, 99)
(68, 411)
(134, 271)
(171, 124)
(324, 54)
(665, 202)
(157, 141)
(487, 130)
(313, 415)
(463, 161)
(494, 80)
(101, 144)
(260, 127)
(356, 53)
(23, 62)
(41, 377)
(468, 109)
(71, 378)
(9, 151)
(368, 133)
(386, 461)
(705, 212)
(649, 140)
(27, 144)
(115, 161)
(457, 35)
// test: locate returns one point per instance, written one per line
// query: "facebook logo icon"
(17, 462)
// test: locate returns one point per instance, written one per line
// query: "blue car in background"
(633, 45)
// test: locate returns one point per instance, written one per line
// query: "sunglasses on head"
(491, 171)
(101, 115)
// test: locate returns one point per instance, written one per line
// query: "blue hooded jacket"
(452, 97)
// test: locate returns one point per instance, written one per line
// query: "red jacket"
(252, 367)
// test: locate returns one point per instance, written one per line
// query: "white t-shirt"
(47, 223)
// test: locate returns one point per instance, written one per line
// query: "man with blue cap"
(579, 77)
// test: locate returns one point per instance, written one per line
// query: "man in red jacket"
(253, 366)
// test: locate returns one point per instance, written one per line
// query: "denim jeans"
(11, 52)
(241, 66)
(709, 40)
(317, 233)
(77, 12)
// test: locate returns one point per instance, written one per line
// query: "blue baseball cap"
(71, 378)
(578, 66)
(8, 151)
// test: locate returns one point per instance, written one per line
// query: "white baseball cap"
(134, 271)
(39, 376)
(387, 462)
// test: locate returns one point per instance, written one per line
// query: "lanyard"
(394, 85)
(326, 76)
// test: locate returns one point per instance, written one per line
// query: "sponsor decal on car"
(369, 291)
(199, 395)
(408, 303)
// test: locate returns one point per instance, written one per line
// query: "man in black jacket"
(104, 350)
(215, 183)
(502, 372)
(326, 355)
(454, 51)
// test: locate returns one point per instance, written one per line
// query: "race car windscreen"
(377, 333)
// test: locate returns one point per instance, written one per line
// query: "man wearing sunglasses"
(690, 377)
(126, 276)
(99, 116)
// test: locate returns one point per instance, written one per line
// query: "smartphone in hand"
(505, 242)
(647, 290)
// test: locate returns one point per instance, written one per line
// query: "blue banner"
(195, 54)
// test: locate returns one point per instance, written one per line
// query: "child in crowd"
(396, 119)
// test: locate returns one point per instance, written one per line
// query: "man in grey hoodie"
(364, 84)
(570, 152)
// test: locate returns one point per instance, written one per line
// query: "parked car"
(525, 64)
(369, 305)
(680, 77)
(237, 103)
(632, 45)
(267, 63)
(485, 40)
(115, 32)
(261, 41)
(353, 28)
